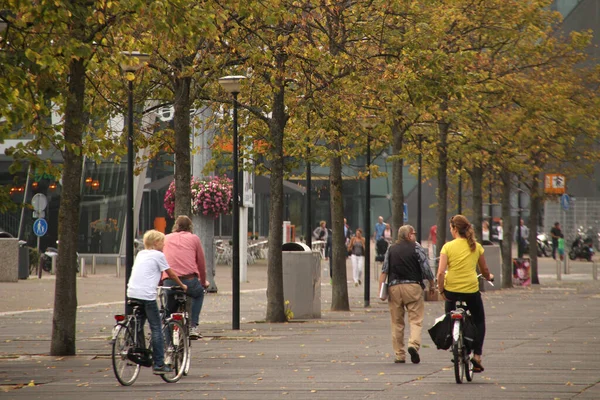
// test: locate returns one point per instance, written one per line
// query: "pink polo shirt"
(185, 255)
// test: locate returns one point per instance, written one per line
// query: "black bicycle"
(130, 350)
(463, 337)
(461, 352)
(181, 313)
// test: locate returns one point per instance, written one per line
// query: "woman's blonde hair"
(152, 237)
(464, 229)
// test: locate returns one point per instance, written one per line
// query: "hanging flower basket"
(211, 196)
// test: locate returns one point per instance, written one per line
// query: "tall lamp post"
(135, 60)
(232, 84)
(419, 195)
(368, 123)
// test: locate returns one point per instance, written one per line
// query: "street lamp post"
(419, 178)
(232, 84)
(368, 123)
(135, 61)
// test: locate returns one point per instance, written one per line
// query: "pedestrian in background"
(407, 264)
(185, 255)
(379, 228)
(356, 248)
(432, 239)
(556, 234)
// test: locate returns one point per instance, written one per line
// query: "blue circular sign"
(40, 227)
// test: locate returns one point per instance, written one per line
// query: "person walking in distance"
(556, 234)
(407, 264)
(433, 239)
(149, 264)
(357, 248)
(379, 229)
(461, 257)
(185, 255)
(321, 233)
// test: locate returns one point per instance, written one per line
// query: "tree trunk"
(181, 123)
(442, 195)
(536, 200)
(339, 253)
(275, 295)
(506, 177)
(65, 294)
(477, 179)
(397, 180)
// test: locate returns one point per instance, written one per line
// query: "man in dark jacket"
(407, 264)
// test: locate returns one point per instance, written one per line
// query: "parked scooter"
(544, 247)
(45, 262)
(582, 247)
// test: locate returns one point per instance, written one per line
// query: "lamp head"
(231, 83)
(135, 60)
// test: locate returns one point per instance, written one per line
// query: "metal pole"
(367, 266)
(25, 192)
(519, 246)
(236, 224)
(491, 209)
(459, 208)
(308, 221)
(419, 210)
(129, 221)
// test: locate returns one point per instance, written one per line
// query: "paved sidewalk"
(541, 343)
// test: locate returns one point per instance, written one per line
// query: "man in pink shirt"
(185, 256)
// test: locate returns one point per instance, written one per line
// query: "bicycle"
(463, 368)
(130, 352)
(181, 314)
(461, 352)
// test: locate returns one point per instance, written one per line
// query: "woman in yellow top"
(460, 257)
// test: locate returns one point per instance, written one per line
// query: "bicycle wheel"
(468, 366)
(458, 363)
(176, 350)
(126, 371)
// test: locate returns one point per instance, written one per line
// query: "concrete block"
(9, 267)
(493, 258)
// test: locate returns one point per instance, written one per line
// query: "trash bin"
(23, 260)
(302, 280)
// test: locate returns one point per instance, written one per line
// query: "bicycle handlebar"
(488, 281)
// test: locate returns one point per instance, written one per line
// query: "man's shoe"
(414, 355)
(194, 334)
(399, 361)
(164, 369)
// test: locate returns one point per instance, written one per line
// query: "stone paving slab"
(541, 343)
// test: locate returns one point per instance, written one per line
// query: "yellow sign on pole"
(554, 184)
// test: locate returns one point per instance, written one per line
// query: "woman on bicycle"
(460, 257)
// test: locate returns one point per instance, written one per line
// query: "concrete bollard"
(558, 270)
(93, 264)
(118, 266)
(82, 267)
(595, 270)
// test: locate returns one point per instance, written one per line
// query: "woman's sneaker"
(164, 369)
(194, 334)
